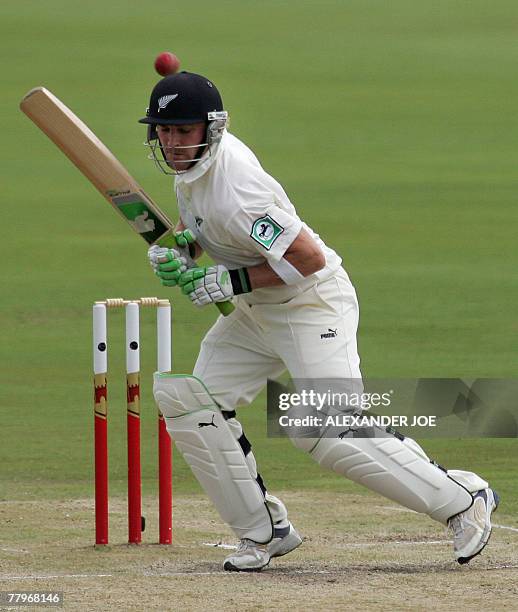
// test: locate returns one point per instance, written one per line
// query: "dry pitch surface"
(359, 552)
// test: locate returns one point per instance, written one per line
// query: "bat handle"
(225, 308)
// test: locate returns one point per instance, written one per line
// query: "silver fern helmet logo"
(164, 101)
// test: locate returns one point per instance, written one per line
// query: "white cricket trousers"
(313, 335)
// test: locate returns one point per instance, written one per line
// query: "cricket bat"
(102, 169)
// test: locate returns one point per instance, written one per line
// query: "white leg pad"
(202, 435)
(468, 480)
(397, 469)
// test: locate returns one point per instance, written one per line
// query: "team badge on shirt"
(265, 231)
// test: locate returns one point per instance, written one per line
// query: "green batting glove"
(185, 238)
(167, 264)
(207, 285)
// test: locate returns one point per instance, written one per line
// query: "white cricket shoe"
(249, 557)
(472, 528)
(285, 539)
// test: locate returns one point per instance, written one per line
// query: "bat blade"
(100, 166)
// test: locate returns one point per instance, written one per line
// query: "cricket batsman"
(289, 289)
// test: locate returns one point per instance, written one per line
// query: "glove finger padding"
(200, 298)
(168, 276)
(207, 285)
(167, 264)
(172, 265)
(158, 255)
(192, 279)
(185, 238)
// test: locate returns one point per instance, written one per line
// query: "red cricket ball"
(166, 63)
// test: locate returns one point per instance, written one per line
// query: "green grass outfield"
(392, 126)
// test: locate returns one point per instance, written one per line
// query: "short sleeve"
(269, 230)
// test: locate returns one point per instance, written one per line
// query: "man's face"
(174, 137)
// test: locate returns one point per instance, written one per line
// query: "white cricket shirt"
(242, 216)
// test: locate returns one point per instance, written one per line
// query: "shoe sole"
(230, 567)
(464, 560)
